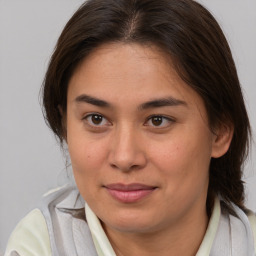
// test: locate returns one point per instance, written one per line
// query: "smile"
(129, 193)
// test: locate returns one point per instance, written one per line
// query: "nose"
(127, 152)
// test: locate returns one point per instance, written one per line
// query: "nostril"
(113, 166)
(126, 156)
(126, 168)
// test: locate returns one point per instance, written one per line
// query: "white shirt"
(32, 237)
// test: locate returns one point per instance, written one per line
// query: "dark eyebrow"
(91, 100)
(156, 103)
(164, 102)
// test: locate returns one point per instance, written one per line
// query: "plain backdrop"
(30, 159)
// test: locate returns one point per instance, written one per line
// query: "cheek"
(180, 152)
(183, 160)
(85, 156)
(86, 160)
(183, 165)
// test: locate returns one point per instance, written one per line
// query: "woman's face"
(138, 139)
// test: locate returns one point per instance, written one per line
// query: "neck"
(183, 237)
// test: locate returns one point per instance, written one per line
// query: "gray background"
(30, 159)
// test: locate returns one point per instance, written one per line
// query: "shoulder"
(58, 225)
(30, 237)
(252, 219)
(32, 234)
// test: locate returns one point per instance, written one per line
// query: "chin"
(130, 223)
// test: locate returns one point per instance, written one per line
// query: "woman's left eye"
(159, 121)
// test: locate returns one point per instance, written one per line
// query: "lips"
(129, 193)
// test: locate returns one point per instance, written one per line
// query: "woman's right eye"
(96, 120)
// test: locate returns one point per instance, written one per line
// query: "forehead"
(122, 72)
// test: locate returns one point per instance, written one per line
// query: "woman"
(146, 96)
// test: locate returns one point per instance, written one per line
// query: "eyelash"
(93, 125)
(163, 118)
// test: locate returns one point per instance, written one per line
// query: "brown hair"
(191, 36)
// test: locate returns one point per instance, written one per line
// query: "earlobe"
(222, 140)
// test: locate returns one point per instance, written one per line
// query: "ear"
(222, 138)
(60, 110)
(63, 123)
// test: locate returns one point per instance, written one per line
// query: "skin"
(126, 146)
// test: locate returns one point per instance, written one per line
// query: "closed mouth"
(129, 193)
(129, 187)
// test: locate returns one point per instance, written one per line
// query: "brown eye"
(157, 120)
(96, 119)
